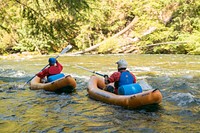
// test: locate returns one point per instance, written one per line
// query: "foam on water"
(183, 99)
(11, 73)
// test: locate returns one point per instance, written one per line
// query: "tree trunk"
(129, 48)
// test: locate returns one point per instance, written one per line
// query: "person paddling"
(54, 68)
(119, 78)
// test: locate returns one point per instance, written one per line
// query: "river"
(25, 110)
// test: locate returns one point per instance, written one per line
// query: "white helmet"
(122, 64)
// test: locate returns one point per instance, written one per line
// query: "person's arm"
(43, 73)
(113, 78)
(60, 67)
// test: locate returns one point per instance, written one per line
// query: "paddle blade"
(66, 49)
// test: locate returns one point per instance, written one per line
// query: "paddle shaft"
(63, 51)
(91, 71)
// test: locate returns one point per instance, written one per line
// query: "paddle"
(90, 71)
(66, 49)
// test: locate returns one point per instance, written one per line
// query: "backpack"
(126, 85)
(125, 78)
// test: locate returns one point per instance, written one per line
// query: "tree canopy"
(45, 26)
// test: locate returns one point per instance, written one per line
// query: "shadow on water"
(150, 108)
(67, 90)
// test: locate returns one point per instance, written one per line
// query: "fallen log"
(165, 43)
(134, 40)
(114, 36)
(134, 48)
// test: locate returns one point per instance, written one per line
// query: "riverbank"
(27, 55)
(23, 55)
(19, 55)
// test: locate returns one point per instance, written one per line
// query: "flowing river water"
(25, 110)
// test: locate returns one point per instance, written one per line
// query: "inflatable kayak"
(58, 84)
(95, 91)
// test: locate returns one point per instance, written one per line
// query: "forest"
(100, 26)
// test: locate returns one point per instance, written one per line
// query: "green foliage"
(101, 22)
(193, 46)
(44, 26)
(182, 26)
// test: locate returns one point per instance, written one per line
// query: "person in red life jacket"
(119, 78)
(54, 68)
